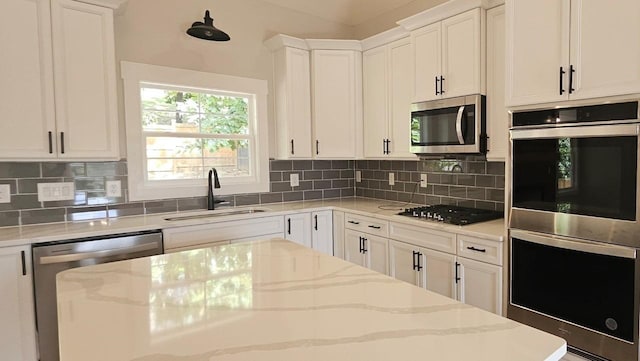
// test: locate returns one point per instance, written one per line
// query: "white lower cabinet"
(207, 235)
(298, 228)
(366, 250)
(322, 231)
(480, 285)
(17, 329)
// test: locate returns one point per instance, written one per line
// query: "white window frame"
(136, 75)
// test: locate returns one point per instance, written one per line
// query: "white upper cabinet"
(578, 50)
(292, 79)
(336, 80)
(387, 94)
(66, 46)
(497, 115)
(449, 57)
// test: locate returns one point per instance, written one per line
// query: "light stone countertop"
(24, 235)
(274, 301)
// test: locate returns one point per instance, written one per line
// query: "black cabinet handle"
(571, 71)
(384, 146)
(414, 260)
(353, 222)
(477, 249)
(317, 147)
(375, 227)
(292, 148)
(419, 266)
(562, 73)
(315, 219)
(288, 225)
(457, 274)
(437, 92)
(364, 245)
(24, 263)
(361, 247)
(441, 84)
(62, 142)
(388, 150)
(50, 143)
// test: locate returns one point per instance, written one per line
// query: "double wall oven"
(575, 226)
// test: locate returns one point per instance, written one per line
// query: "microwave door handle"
(459, 125)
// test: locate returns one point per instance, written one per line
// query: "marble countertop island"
(274, 301)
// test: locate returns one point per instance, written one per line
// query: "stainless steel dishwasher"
(53, 257)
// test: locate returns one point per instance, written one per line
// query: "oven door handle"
(459, 125)
(575, 244)
(577, 131)
(72, 257)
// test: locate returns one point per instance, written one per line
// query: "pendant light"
(206, 30)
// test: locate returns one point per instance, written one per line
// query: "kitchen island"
(274, 300)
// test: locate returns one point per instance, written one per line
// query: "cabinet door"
(376, 250)
(84, 73)
(401, 262)
(337, 102)
(298, 228)
(352, 248)
(375, 100)
(427, 47)
(497, 115)
(292, 75)
(322, 231)
(17, 329)
(439, 269)
(462, 56)
(605, 48)
(400, 94)
(537, 46)
(480, 285)
(26, 88)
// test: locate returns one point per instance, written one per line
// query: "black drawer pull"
(353, 222)
(477, 249)
(375, 227)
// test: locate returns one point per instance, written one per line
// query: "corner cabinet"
(387, 94)
(449, 57)
(336, 81)
(17, 329)
(313, 230)
(586, 49)
(58, 89)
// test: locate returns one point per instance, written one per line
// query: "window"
(181, 123)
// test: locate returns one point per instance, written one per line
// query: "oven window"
(438, 126)
(586, 176)
(591, 290)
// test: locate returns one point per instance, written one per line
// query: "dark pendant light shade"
(206, 30)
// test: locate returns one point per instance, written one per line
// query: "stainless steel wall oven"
(574, 226)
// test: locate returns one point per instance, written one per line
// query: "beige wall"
(388, 20)
(153, 32)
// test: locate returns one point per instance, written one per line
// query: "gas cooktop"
(451, 214)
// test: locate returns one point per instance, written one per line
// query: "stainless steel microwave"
(449, 126)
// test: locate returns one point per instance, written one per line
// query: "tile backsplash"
(318, 179)
(469, 182)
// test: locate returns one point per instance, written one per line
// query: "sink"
(222, 213)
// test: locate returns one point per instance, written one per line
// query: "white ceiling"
(347, 12)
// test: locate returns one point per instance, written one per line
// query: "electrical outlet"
(5, 193)
(294, 179)
(358, 176)
(423, 180)
(114, 188)
(392, 179)
(48, 192)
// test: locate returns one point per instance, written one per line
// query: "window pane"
(170, 158)
(224, 114)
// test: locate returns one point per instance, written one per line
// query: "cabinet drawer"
(424, 237)
(480, 249)
(366, 225)
(182, 237)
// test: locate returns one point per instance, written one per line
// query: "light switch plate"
(48, 192)
(423, 180)
(358, 176)
(294, 179)
(392, 179)
(5, 193)
(114, 188)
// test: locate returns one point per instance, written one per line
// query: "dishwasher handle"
(72, 257)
